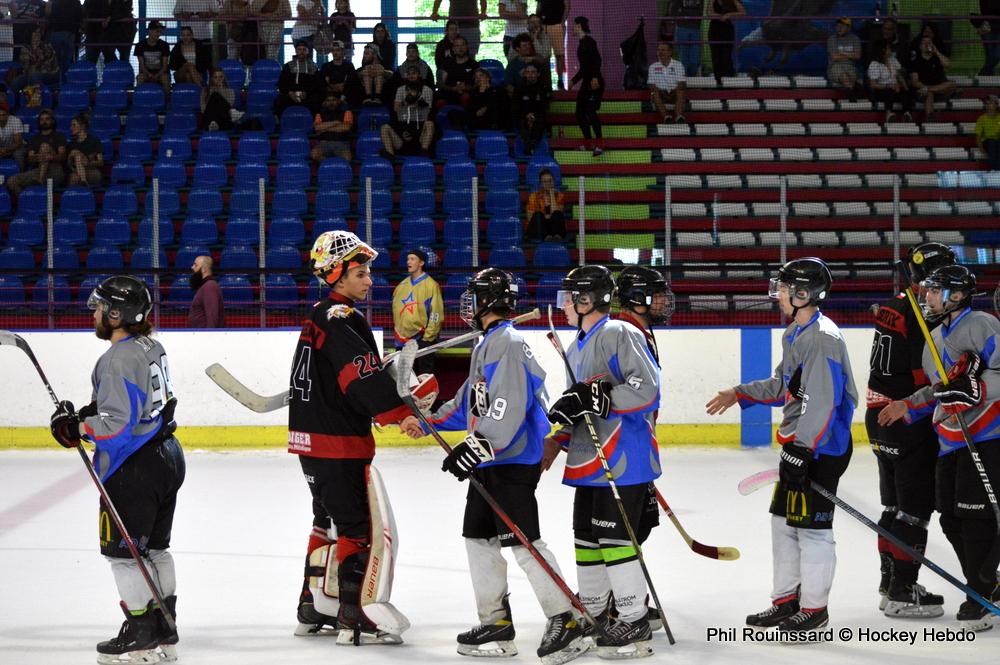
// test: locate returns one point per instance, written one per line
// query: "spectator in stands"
(591, 80)
(271, 30)
(340, 76)
(311, 14)
(522, 53)
(197, 15)
(45, 154)
(546, 219)
(722, 35)
(444, 50)
(530, 103)
(64, 18)
(515, 16)
(417, 309)
(484, 102)
(344, 24)
(457, 78)
(207, 308)
(687, 32)
(217, 103)
(928, 78)
(987, 132)
(890, 35)
(189, 60)
(120, 33)
(554, 14)
(11, 136)
(373, 75)
(843, 50)
(464, 13)
(413, 58)
(887, 84)
(412, 131)
(989, 32)
(27, 15)
(299, 83)
(543, 45)
(86, 154)
(667, 83)
(926, 30)
(153, 55)
(235, 12)
(333, 125)
(39, 64)
(97, 15)
(386, 47)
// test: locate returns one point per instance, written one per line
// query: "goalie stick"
(258, 403)
(611, 483)
(404, 365)
(710, 551)
(8, 338)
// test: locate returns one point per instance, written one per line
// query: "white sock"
(818, 563)
(785, 557)
(489, 577)
(552, 600)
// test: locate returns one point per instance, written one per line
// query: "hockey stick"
(267, 403)
(751, 484)
(987, 572)
(611, 482)
(404, 365)
(996, 301)
(710, 551)
(10, 339)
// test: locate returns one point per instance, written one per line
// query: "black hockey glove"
(479, 400)
(466, 456)
(793, 470)
(795, 384)
(964, 392)
(87, 411)
(65, 425)
(582, 398)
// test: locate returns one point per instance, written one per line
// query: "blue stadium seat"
(458, 174)
(260, 103)
(236, 74)
(536, 165)
(128, 173)
(504, 232)
(87, 287)
(5, 205)
(551, 255)
(63, 258)
(62, 295)
(11, 292)
(417, 231)
(265, 72)
(243, 231)
(248, 174)
(17, 258)
(169, 202)
(33, 202)
(180, 123)
(74, 97)
(289, 202)
(82, 73)
(112, 229)
(8, 167)
(293, 148)
(491, 144)
(503, 203)
(495, 69)
(381, 203)
(417, 173)
(283, 257)
(450, 117)
(77, 200)
(458, 231)
(541, 149)
(334, 173)
(296, 120)
(176, 147)
(381, 232)
(332, 203)
(142, 257)
(324, 224)
(105, 257)
(236, 291)
(455, 286)
(293, 175)
(184, 97)
(110, 99)
(71, 230)
(453, 145)
(214, 148)
(46, 97)
(198, 230)
(179, 296)
(188, 253)
(64, 119)
(507, 257)
(379, 170)
(105, 124)
(170, 173)
(118, 74)
(204, 202)
(29, 117)
(368, 145)
(549, 283)
(458, 202)
(457, 257)
(382, 260)
(148, 97)
(135, 149)
(371, 118)
(244, 202)
(286, 230)
(142, 122)
(211, 175)
(502, 173)
(280, 292)
(254, 146)
(25, 232)
(416, 202)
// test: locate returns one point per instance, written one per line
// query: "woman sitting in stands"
(217, 101)
(189, 60)
(545, 210)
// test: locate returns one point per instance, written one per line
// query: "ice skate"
(886, 566)
(313, 623)
(365, 633)
(563, 640)
(493, 640)
(781, 609)
(913, 601)
(805, 621)
(626, 640)
(975, 617)
(168, 639)
(136, 642)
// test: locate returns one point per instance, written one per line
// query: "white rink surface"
(239, 541)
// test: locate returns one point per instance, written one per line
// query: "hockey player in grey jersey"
(618, 386)
(968, 343)
(130, 421)
(814, 385)
(502, 407)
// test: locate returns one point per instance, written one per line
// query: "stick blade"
(235, 389)
(8, 338)
(751, 484)
(404, 366)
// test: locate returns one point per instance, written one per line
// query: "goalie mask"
(121, 298)
(334, 252)
(489, 290)
(639, 286)
(957, 285)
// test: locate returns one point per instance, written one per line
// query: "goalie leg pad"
(376, 585)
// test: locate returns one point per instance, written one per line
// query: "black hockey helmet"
(637, 287)
(809, 279)
(950, 279)
(595, 281)
(122, 298)
(928, 257)
(488, 290)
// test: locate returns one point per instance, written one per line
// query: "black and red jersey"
(896, 351)
(338, 385)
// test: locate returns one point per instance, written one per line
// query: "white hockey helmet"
(334, 251)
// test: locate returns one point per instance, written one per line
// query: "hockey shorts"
(907, 456)
(808, 509)
(339, 494)
(513, 487)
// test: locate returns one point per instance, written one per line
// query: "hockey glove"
(795, 385)
(466, 456)
(87, 411)
(65, 425)
(425, 392)
(961, 394)
(479, 400)
(793, 470)
(580, 399)
(969, 364)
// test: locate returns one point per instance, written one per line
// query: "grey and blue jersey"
(131, 384)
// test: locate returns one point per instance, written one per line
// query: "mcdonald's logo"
(104, 528)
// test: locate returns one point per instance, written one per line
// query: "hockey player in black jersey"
(130, 421)
(906, 453)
